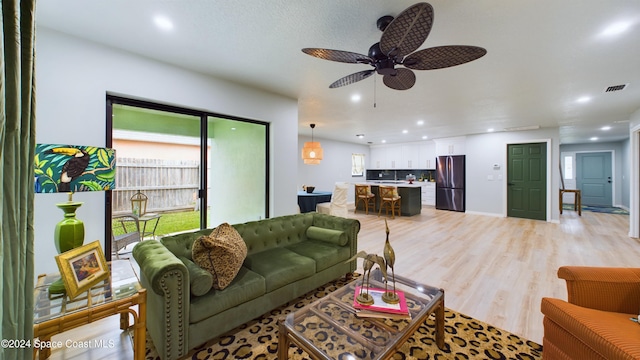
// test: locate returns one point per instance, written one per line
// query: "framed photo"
(83, 267)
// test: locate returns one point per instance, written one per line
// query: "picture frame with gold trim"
(82, 267)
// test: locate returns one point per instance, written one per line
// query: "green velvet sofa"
(287, 257)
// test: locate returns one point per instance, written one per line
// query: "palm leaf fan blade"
(338, 55)
(404, 79)
(443, 56)
(350, 79)
(407, 31)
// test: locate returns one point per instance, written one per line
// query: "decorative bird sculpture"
(73, 168)
(390, 260)
(370, 260)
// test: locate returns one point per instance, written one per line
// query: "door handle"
(510, 184)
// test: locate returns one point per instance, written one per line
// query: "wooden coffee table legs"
(439, 314)
(283, 341)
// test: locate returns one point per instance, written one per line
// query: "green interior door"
(527, 181)
(593, 178)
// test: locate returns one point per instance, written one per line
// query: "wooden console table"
(56, 313)
(577, 204)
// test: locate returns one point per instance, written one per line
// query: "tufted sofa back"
(259, 235)
(280, 231)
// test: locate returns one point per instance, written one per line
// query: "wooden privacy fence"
(169, 184)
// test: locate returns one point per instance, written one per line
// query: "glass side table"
(56, 313)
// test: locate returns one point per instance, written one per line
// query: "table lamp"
(71, 168)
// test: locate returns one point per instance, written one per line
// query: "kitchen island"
(411, 194)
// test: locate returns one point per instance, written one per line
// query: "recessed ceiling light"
(163, 22)
(360, 136)
(583, 99)
(233, 129)
(594, 138)
(605, 128)
(384, 141)
(490, 130)
(420, 122)
(616, 28)
(355, 97)
(405, 131)
(424, 137)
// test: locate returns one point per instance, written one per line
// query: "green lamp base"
(69, 234)
(57, 287)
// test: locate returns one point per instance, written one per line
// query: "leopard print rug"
(465, 338)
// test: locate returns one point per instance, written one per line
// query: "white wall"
(73, 77)
(335, 166)
(634, 177)
(625, 160)
(488, 197)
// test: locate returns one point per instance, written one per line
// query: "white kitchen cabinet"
(410, 156)
(378, 157)
(428, 193)
(427, 155)
(417, 155)
(394, 157)
(451, 146)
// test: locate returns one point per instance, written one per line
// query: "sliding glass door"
(196, 169)
(238, 165)
(158, 157)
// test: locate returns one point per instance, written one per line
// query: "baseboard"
(484, 213)
(622, 207)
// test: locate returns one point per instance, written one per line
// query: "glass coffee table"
(329, 329)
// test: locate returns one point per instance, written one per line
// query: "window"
(357, 165)
(568, 167)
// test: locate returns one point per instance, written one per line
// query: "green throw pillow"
(327, 235)
(221, 253)
(200, 280)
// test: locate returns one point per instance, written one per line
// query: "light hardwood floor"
(498, 269)
(494, 269)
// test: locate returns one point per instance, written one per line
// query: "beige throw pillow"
(221, 253)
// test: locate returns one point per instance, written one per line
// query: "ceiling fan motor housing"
(383, 64)
(386, 67)
(384, 21)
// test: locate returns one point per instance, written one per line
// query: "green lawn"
(178, 221)
(171, 223)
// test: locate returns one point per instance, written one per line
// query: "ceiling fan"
(401, 36)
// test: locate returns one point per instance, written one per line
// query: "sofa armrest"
(168, 303)
(603, 288)
(350, 227)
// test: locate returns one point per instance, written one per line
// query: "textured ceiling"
(542, 55)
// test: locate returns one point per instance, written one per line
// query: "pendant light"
(312, 151)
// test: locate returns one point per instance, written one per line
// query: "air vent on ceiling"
(615, 88)
(522, 128)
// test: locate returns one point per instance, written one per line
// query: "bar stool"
(389, 198)
(364, 195)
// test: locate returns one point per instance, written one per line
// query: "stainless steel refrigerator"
(450, 183)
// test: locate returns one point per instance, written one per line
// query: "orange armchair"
(595, 323)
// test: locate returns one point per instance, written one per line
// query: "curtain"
(17, 147)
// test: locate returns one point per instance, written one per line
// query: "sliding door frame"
(204, 127)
